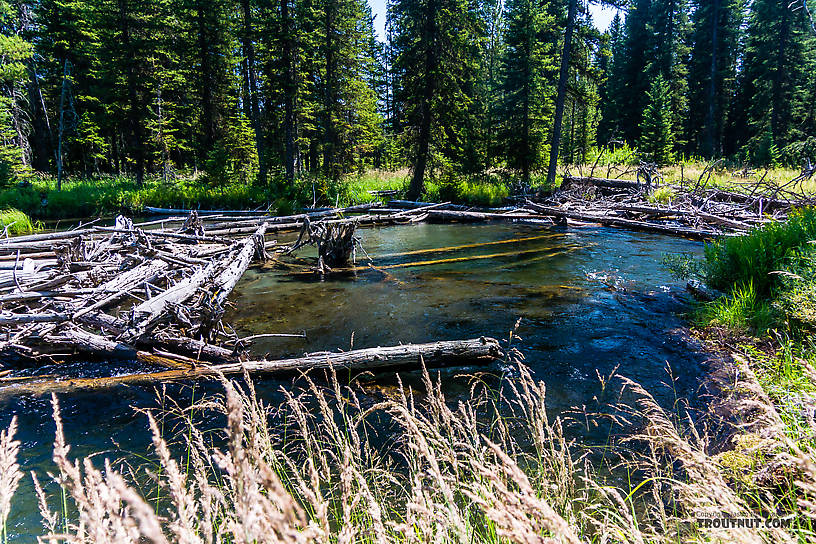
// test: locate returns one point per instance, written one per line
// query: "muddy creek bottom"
(589, 299)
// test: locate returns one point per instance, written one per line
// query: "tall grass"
(14, 223)
(754, 258)
(494, 468)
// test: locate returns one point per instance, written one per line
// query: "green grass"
(755, 257)
(15, 223)
(661, 195)
(740, 310)
(115, 194)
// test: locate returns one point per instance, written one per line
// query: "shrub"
(751, 259)
(663, 195)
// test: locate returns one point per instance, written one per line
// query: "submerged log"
(474, 351)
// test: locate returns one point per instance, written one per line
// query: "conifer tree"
(656, 128)
(772, 102)
(526, 104)
(436, 42)
(14, 52)
(712, 72)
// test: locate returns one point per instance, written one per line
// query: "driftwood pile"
(692, 210)
(156, 292)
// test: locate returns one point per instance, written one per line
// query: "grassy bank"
(108, 195)
(766, 315)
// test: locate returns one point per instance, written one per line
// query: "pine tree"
(771, 106)
(436, 43)
(14, 53)
(656, 128)
(712, 72)
(612, 90)
(526, 106)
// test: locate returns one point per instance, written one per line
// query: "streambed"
(590, 300)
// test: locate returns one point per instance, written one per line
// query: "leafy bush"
(797, 290)
(751, 259)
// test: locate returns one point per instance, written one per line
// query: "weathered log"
(601, 182)
(150, 311)
(175, 211)
(96, 345)
(450, 215)
(625, 223)
(225, 282)
(119, 285)
(666, 212)
(474, 351)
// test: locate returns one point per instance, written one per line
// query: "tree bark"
(61, 129)
(711, 147)
(562, 92)
(252, 88)
(417, 186)
(479, 350)
(289, 91)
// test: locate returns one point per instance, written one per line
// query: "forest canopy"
(263, 91)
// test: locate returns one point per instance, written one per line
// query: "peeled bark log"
(474, 351)
(626, 223)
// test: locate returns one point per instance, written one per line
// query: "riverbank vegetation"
(767, 312)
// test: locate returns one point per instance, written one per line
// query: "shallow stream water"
(590, 299)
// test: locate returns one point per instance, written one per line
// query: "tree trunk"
(207, 81)
(61, 129)
(711, 147)
(562, 92)
(417, 186)
(330, 135)
(289, 91)
(252, 81)
(134, 113)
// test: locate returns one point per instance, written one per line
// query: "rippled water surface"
(589, 299)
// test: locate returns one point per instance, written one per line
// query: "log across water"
(472, 351)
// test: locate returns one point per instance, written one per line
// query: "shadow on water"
(590, 300)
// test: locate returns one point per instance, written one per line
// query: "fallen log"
(474, 351)
(605, 183)
(632, 224)
(665, 212)
(450, 215)
(177, 211)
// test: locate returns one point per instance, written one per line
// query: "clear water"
(589, 299)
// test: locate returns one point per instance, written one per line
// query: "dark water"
(589, 299)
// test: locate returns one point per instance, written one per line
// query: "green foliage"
(14, 52)
(797, 288)
(661, 195)
(527, 100)
(470, 190)
(14, 223)
(657, 137)
(752, 259)
(741, 309)
(684, 266)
